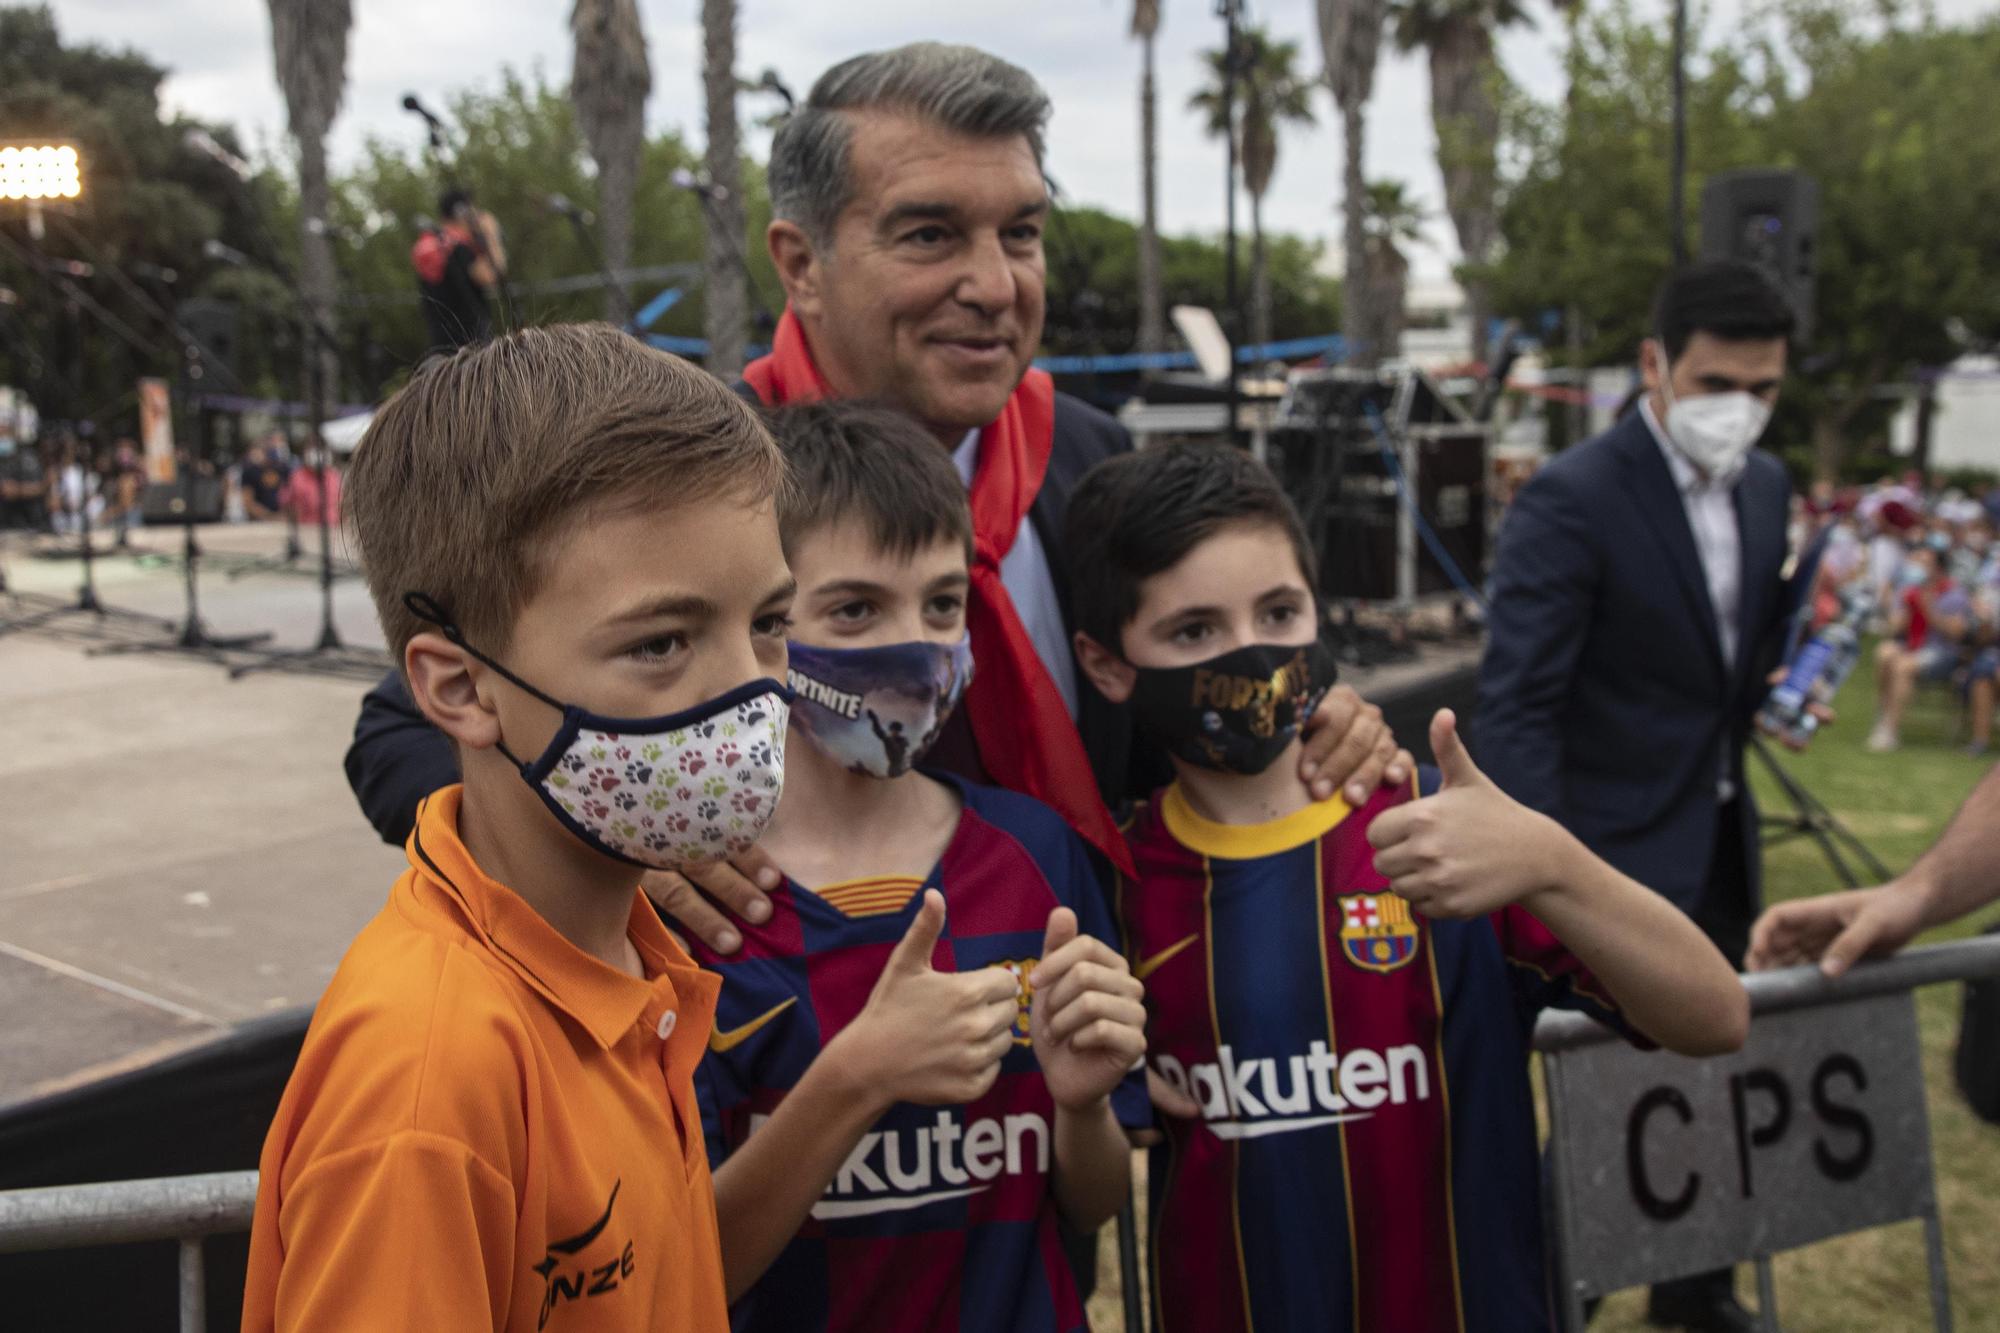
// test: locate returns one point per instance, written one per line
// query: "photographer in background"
(460, 264)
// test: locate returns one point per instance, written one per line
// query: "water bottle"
(1815, 675)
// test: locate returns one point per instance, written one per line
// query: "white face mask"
(1714, 430)
(1717, 430)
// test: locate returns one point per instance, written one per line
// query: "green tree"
(149, 205)
(1583, 215)
(522, 144)
(1898, 127)
(1270, 92)
(1391, 222)
(1892, 118)
(1093, 267)
(1466, 83)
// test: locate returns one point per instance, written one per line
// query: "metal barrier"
(1663, 1166)
(180, 1208)
(1655, 1159)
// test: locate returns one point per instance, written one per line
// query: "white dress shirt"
(1024, 572)
(1710, 505)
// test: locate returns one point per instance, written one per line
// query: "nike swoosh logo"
(577, 1242)
(720, 1041)
(1257, 1129)
(1148, 966)
(829, 1211)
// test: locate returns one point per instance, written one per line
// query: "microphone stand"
(447, 167)
(329, 654)
(194, 638)
(706, 192)
(294, 549)
(87, 601)
(579, 222)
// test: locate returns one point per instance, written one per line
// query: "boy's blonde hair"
(471, 474)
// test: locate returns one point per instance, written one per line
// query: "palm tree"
(1350, 38)
(309, 43)
(610, 79)
(726, 300)
(1391, 220)
(1152, 297)
(1269, 92)
(1457, 35)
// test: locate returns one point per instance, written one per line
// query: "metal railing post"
(194, 1287)
(183, 1209)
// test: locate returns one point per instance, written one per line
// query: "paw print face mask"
(662, 792)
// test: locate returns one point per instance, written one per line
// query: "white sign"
(1665, 1166)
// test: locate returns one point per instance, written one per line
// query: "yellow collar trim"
(1246, 842)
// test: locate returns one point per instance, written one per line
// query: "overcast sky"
(219, 55)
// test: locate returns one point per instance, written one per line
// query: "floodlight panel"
(40, 171)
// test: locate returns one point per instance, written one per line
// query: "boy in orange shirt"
(571, 542)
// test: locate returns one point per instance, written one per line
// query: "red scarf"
(1025, 736)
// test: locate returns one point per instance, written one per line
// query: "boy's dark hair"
(473, 473)
(858, 460)
(450, 201)
(1727, 298)
(1138, 514)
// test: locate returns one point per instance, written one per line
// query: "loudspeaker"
(169, 502)
(1769, 218)
(212, 324)
(1327, 455)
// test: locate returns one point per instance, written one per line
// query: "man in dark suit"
(1638, 607)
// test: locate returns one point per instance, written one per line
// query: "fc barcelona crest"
(1377, 931)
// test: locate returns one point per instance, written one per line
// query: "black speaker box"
(1328, 456)
(169, 502)
(1769, 218)
(211, 323)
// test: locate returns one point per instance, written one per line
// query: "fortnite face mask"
(1235, 713)
(877, 710)
(665, 792)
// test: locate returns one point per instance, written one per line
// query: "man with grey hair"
(909, 204)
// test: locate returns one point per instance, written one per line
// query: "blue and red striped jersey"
(1365, 1157)
(942, 1219)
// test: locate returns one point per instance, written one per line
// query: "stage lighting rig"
(38, 174)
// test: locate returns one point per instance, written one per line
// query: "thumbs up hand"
(1087, 1017)
(925, 1036)
(1469, 850)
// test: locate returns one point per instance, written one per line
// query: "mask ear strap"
(425, 608)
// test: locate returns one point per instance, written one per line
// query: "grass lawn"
(1874, 1281)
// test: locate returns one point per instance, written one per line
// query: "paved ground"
(178, 851)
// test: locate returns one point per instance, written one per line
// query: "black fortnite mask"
(1235, 713)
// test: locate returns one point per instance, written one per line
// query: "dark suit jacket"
(397, 758)
(1603, 696)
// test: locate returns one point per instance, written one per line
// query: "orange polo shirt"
(488, 1128)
